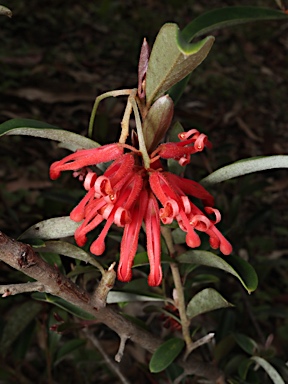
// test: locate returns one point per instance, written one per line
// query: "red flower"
(127, 193)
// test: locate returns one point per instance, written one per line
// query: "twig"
(199, 342)
(23, 258)
(111, 364)
(14, 289)
(121, 348)
(185, 322)
(181, 305)
(105, 285)
(252, 317)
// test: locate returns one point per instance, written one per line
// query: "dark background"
(56, 57)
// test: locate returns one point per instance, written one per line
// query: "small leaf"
(246, 343)
(228, 16)
(205, 301)
(243, 167)
(157, 121)
(63, 304)
(172, 59)
(29, 127)
(236, 266)
(17, 321)
(271, 371)
(5, 11)
(51, 229)
(166, 354)
(142, 67)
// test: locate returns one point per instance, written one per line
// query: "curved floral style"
(128, 194)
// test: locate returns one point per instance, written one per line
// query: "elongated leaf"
(51, 229)
(29, 127)
(166, 354)
(18, 320)
(271, 371)
(63, 304)
(234, 265)
(243, 167)
(172, 59)
(118, 297)
(205, 301)
(218, 19)
(70, 250)
(228, 16)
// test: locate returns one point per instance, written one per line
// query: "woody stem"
(181, 305)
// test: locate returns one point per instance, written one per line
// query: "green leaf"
(243, 167)
(226, 17)
(166, 354)
(205, 301)
(120, 297)
(234, 265)
(243, 368)
(51, 229)
(70, 250)
(217, 19)
(29, 127)
(271, 371)
(67, 348)
(63, 304)
(172, 59)
(5, 11)
(246, 343)
(157, 121)
(17, 321)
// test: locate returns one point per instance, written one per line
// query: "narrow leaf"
(17, 321)
(118, 297)
(63, 304)
(51, 229)
(70, 250)
(271, 371)
(243, 167)
(166, 354)
(205, 301)
(228, 16)
(172, 59)
(218, 19)
(234, 265)
(28, 127)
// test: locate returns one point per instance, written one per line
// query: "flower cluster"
(128, 194)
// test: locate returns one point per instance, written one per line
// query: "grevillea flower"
(128, 194)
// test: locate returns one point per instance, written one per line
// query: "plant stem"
(181, 305)
(121, 92)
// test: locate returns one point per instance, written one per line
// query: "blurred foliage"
(55, 58)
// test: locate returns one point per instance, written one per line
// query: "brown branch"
(15, 289)
(23, 258)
